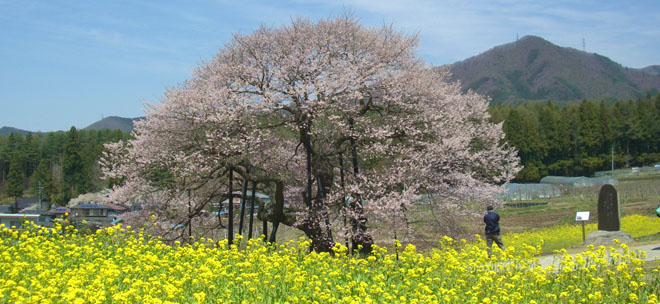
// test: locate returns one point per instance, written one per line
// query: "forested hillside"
(533, 69)
(579, 139)
(114, 122)
(570, 140)
(64, 163)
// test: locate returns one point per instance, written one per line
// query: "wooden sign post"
(582, 216)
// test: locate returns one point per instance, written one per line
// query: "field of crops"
(569, 235)
(118, 265)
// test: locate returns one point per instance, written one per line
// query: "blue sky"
(69, 63)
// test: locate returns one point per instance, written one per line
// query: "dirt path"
(652, 251)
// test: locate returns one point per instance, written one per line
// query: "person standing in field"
(492, 221)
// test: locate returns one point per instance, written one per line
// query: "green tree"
(75, 179)
(522, 133)
(4, 160)
(589, 132)
(43, 176)
(14, 186)
(549, 131)
(30, 152)
(8, 151)
(606, 128)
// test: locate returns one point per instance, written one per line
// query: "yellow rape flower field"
(118, 265)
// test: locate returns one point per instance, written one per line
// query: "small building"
(116, 209)
(31, 203)
(100, 215)
(6, 208)
(59, 212)
(16, 220)
(260, 197)
(89, 210)
(525, 192)
(579, 181)
(45, 218)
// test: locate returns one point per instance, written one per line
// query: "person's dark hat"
(489, 208)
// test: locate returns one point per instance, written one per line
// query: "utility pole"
(41, 206)
(584, 48)
(613, 156)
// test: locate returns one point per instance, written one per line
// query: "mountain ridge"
(8, 130)
(111, 123)
(529, 69)
(533, 69)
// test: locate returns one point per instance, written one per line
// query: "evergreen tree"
(590, 136)
(43, 176)
(14, 186)
(521, 132)
(4, 160)
(549, 131)
(73, 168)
(30, 152)
(52, 147)
(606, 131)
(7, 153)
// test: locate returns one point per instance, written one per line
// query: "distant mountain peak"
(113, 123)
(8, 130)
(533, 68)
(531, 39)
(652, 69)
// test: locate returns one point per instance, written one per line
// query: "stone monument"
(608, 209)
(609, 222)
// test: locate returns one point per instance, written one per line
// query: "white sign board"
(582, 216)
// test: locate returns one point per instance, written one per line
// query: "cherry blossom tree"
(283, 107)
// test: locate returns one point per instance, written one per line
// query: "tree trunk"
(321, 240)
(243, 201)
(343, 194)
(230, 226)
(254, 190)
(311, 226)
(361, 240)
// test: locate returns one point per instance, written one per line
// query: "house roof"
(25, 202)
(59, 210)
(18, 216)
(116, 207)
(6, 208)
(90, 206)
(249, 194)
(33, 211)
(238, 194)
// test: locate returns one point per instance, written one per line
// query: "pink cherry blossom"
(278, 102)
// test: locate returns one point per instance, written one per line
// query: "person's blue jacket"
(492, 221)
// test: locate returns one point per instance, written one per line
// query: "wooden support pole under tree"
(396, 248)
(356, 171)
(264, 230)
(243, 196)
(230, 225)
(308, 150)
(254, 191)
(189, 219)
(343, 194)
(273, 234)
(321, 197)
